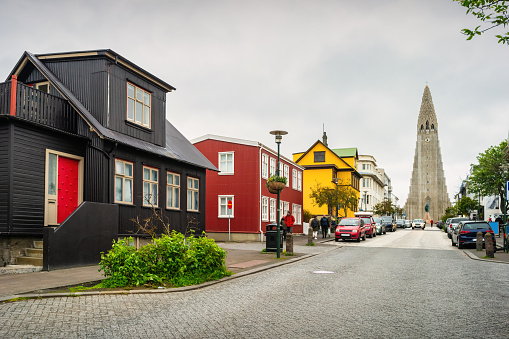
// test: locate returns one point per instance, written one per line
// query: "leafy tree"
(465, 205)
(399, 211)
(494, 12)
(450, 212)
(342, 196)
(488, 176)
(384, 208)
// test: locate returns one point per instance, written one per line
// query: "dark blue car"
(466, 233)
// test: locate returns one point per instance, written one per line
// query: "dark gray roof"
(177, 146)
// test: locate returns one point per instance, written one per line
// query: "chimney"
(324, 138)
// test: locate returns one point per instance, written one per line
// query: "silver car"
(453, 224)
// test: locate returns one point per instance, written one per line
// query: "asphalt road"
(407, 284)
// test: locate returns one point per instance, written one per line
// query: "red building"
(244, 168)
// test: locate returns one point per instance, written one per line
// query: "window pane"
(177, 197)
(154, 175)
(190, 183)
(146, 193)
(130, 109)
(130, 90)
(169, 179)
(118, 189)
(154, 194)
(52, 174)
(128, 170)
(128, 184)
(189, 199)
(146, 99)
(139, 94)
(195, 184)
(195, 200)
(229, 167)
(146, 116)
(119, 167)
(177, 180)
(139, 111)
(146, 174)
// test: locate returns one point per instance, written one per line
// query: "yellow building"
(328, 167)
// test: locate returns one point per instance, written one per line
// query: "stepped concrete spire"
(427, 198)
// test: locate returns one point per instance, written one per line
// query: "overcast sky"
(244, 68)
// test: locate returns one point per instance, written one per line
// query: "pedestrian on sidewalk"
(431, 223)
(324, 222)
(315, 225)
(289, 220)
(285, 228)
(332, 226)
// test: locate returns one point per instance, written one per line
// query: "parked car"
(388, 223)
(466, 233)
(370, 226)
(408, 223)
(418, 223)
(400, 223)
(447, 222)
(439, 224)
(351, 229)
(378, 225)
(453, 224)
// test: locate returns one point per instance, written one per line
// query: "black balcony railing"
(39, 107)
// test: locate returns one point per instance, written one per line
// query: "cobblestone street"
(410, 284)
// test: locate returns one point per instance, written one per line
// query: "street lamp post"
(279, 136)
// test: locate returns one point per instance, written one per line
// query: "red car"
(351, 229)
(370, 226)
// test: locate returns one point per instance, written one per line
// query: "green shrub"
(170, 260)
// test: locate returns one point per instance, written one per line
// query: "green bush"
(169, 260)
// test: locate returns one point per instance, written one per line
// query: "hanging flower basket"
(276, 184)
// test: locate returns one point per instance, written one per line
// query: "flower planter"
(275, 186)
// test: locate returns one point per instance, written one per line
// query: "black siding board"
(4, 175)
(28, 181)
(178, 220)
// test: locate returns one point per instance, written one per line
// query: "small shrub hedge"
(171, 260)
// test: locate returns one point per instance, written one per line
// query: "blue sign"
(506, 190)
(404, 215)
(494, 227)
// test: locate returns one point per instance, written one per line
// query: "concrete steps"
(33, 256)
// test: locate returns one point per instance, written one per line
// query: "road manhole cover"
(322, 272)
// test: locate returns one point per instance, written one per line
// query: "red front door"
(67, 187)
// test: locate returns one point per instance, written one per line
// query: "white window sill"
(225, 217)
(226, 173)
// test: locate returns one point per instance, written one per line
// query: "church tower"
(428, 196)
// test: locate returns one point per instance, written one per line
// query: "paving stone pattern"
(375, 292)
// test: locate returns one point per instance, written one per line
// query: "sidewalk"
(242, 259)
(500, 255)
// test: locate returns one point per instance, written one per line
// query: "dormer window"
(138, 105)
(43, 86)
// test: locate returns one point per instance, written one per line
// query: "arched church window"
(422, 127)
(427, 125)
(432, 127)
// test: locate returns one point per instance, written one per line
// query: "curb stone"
(163, 290)
(474, 257)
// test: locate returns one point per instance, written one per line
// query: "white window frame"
(286, 207)
(265, 209)
(223, 200)
(294, 179)
(145, 105)
(272, 166)
(299, 181)
(39, 85)
(272, 210)
(124, 178)
(152, 184)
(265, 166)
(286, 171)
(281, 207)
(232, 161)
(193, 190)
(297, 213)
(170, 189)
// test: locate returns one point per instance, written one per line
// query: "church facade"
(428, 197)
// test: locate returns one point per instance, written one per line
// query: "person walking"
(324, 223)
(431, 223)
(315, 225)
(285, 228)
(289, 220)
(332, 226)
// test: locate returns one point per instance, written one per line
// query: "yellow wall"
(323, 176)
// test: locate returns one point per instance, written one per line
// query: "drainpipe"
(260, 193)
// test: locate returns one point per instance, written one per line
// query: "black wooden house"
(85, 148)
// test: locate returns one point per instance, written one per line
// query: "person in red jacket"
(289, 221)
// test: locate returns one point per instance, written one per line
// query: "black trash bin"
(271, 238)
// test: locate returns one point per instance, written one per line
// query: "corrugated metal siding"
(177, 219)
(28, 173)
(4, 175)
(244, 185)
